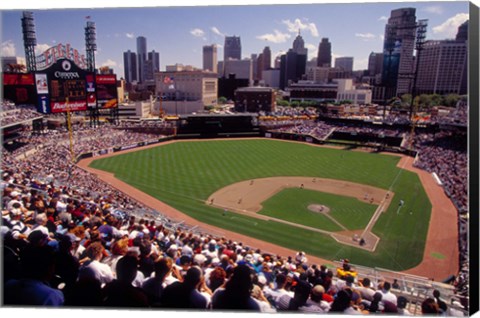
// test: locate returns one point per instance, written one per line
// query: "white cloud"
(295, 26)
(383, 18)
(8, 48)
(449, 28)
(197, 33)
(312, 49)
(434, 9)
(130, 35)
(365, 36)
(216, 31)
(382, 37)
(110, 63)
(40, 48)
(278, 37)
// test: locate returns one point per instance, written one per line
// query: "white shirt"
(101, 272)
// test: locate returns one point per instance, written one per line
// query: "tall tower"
(29, 40)
(90, 45)
(210, 58)
(398, 46)
(130, 66)
(299, 45)
(232, 48)
(152, 65)
(267, 58)
(141, 57)
(324, 57)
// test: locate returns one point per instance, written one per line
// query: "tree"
(222, 100)
(451, 100)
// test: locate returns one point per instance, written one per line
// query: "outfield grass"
(292, 205)
(184, 174)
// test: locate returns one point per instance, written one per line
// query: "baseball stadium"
(301, 208)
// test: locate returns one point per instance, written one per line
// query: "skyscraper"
(232, 48)
(299, 45)
(210, 58)
(130, 66)
(141, 57)
(324, 58)
(442, 66)
(267, 58)
(152, 65)
(375, 63)
(398, 46)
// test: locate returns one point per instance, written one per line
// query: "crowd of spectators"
(320, 129)
(458, 116)
(65, 245)
(62, 252)
(10, 115)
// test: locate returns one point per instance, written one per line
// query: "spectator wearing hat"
(316, 298)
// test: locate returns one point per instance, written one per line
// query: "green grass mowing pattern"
(184, 174)
(292, 205)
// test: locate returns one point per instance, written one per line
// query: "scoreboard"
(65, 81)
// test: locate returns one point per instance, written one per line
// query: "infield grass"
(292, 205)
(184, 174)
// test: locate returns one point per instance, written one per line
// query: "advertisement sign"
(91, 93)
(67, 81)
(107, 95)
(41, 83)
(60, 51)
(19, 88)
(43, 104)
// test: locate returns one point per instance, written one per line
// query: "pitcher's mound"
(319, 208)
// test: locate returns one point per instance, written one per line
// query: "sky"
(178, 33)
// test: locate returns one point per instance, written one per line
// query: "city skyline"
(179, 33)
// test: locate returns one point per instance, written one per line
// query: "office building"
(141, 57)
(345, 63)
(398, 47)
(375, 63)
(195, 85)
(254, 99)
(130, 66)
(232, 48)
(152, 65)
(324, 58)
(267, 58)
(210, 58)
(442, 68)
(243, 69)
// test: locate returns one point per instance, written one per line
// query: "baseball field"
(299, 196)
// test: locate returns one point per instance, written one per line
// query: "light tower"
(91, 47)
(29, 40)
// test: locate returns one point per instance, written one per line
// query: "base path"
(441, 249)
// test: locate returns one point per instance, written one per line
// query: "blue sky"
(178, 33)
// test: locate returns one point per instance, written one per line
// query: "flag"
(169, 81)
(88, 17)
